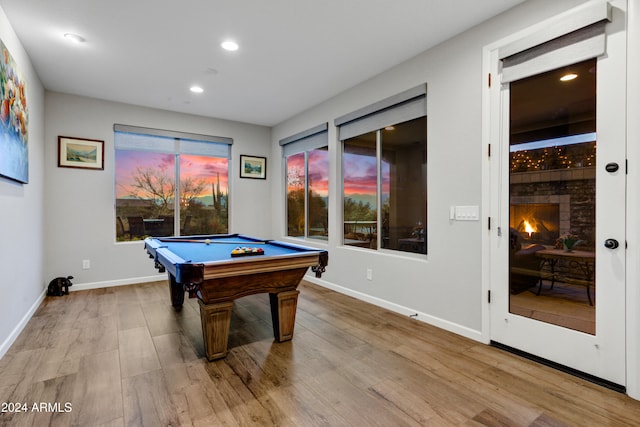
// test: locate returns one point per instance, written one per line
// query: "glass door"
(552, 197)
(557, 253)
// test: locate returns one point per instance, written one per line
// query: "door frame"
(633, 202)
(490, 132)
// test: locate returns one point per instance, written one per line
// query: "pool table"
(204, 267)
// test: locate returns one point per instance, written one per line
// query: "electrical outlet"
(369, 274)
(86, 264)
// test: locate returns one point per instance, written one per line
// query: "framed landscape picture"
(253, 167)
(14, 152)
(80, 153)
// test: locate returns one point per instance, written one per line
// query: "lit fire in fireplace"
(536, 222)
(528, 228)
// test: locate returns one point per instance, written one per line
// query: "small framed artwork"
(80, 153)
(253, 167)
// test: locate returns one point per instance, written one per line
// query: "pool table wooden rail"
(186, 272)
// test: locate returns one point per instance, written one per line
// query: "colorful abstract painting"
(14, 154)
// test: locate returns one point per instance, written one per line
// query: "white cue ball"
(207, 241)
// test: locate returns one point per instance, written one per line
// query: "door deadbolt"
(612, 167)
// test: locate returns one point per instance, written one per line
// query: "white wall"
(21, 212)
(445, 287)
(80, 217)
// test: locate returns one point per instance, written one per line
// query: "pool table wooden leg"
(176, 291)
(216, 319)
(283, 314)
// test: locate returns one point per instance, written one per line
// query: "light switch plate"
(467, 213)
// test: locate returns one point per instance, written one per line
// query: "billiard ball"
(207, 241)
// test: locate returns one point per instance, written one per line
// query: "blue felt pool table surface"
(193, 249)
(220, 248)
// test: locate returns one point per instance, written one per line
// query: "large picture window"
(307, 183)
(170, 183)
(384, 170)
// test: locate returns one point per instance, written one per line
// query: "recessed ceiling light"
(74, 38)
(230, 45)
(390, 128)
(196, 89)
(567, 77)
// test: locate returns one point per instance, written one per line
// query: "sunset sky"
(360, 173)
(318, 169)
(319, 172)
(198, 167)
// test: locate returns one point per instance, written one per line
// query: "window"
(360, 190)
(307, 183)
(384, 170)
(149, 163)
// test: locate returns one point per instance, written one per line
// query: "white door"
(557, 178)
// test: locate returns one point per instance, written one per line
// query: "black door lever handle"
(611, 243)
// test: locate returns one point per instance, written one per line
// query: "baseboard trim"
(112, 283)
(416, 315)
(15, 333)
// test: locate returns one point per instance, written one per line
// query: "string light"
(566, 157)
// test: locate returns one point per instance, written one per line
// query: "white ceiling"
(293, 54)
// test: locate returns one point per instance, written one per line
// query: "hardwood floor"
(122, 356)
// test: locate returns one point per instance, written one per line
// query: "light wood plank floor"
(122, 356)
